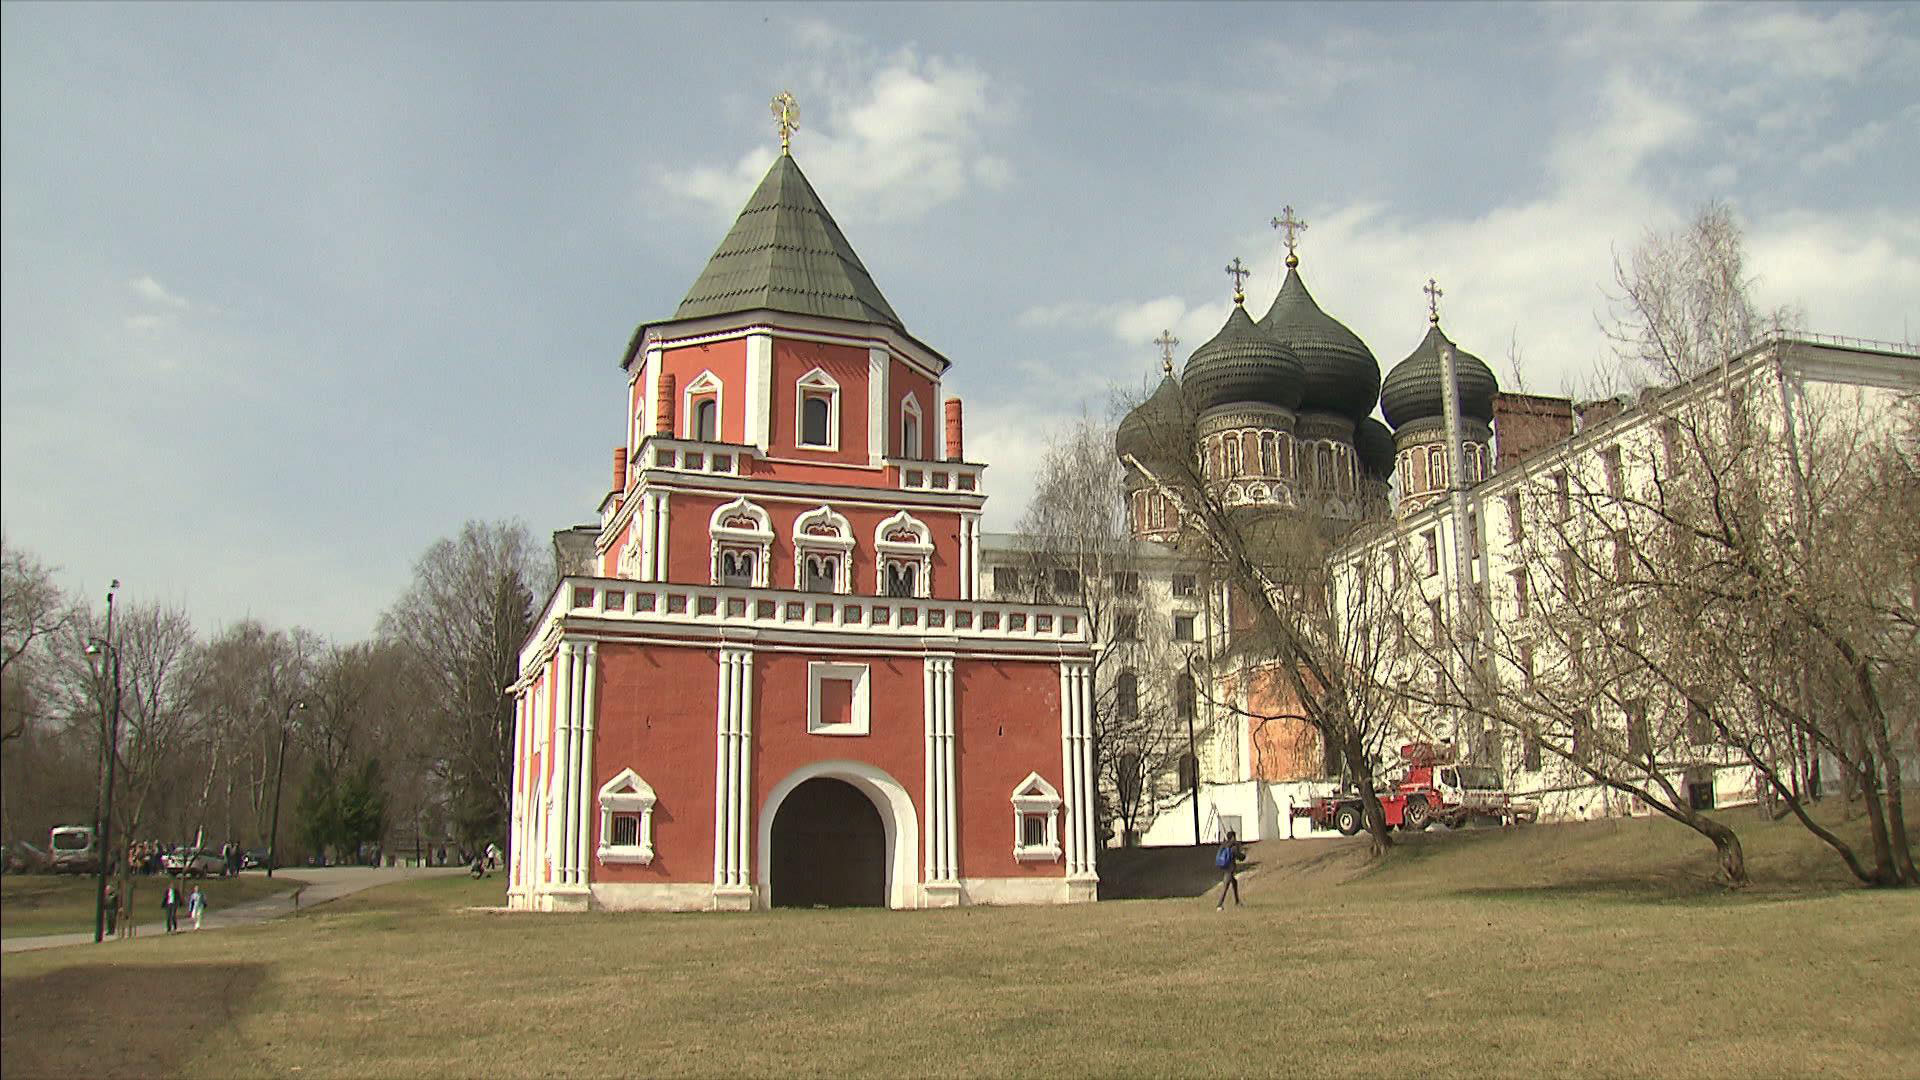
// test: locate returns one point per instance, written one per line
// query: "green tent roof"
(785, 253)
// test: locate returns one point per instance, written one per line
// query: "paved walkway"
(306, 886)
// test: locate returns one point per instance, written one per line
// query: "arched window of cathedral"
(1126, 694)
(1343, 470)
(1323, 466)
(1189, 772)
(910, 429)
(1436, 469)
(1231, 443)
(1283, 447)
(1250, 450)
(817, 411)
(742, 541)
(905, 557)
(701, 407)
(822, 552)
(1269, 457)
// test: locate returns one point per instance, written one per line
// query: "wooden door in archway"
(829, 848)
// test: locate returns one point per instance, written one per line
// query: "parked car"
(73, 849)
(193, 863)
(253, 858)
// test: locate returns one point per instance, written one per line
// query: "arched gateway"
(840, 833)
(829, 848)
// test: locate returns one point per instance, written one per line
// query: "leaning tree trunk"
(1376, 817)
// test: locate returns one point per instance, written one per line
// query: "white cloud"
(904, 136)
(150, 290)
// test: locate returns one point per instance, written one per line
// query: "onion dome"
(1341, 374)
(1146, 433)
(1412, 390)
(1241, 364)
(1374, 443)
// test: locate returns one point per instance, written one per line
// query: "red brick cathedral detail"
(778, 685)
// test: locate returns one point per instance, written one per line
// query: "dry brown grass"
(1527, 953)
(34, 904)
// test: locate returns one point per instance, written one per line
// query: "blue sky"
(288, 292)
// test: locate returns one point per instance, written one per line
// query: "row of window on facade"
(816, 414)
(1330, 466)
(742, 538)
(1424, 469)
(627, 804)
(1126, 696)
(1064, 583)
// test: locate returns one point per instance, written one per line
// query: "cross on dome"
(786, 118)
(1290, 230)
(1239, 273)
(1432, 289)
(1166, 341)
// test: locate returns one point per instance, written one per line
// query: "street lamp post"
(110, 749)
(1193, 757)
(279, 776)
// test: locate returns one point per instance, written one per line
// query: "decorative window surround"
(626, 794)
(819, 672)
(816, 384)
(704, 385)
(911, 445)
(818, 532)
(741, 526)
(902, 538)
(1035, 798)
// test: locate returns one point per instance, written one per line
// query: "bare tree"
(1075, 548)
(461, 625)
(32, 614)
(1286, 615)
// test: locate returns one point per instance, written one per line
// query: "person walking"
(112, 911)
(196, 906)
(1228, 859)
(170, 903)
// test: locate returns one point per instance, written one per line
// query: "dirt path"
(305, 887)
(1163, 872)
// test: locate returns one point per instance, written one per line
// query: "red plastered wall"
(1008, 721)
(897, 738)
(902, 381)
(728, 362)
(657, 718)
(847, 365)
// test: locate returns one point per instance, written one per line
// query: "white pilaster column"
(644, 519)
(733, 797)
(571, 791)
(557, 771)
(759, 390)
(1076, 748)
(879, 419)
(517, 807)
(929, 814)
(660, 538)
(589, 683)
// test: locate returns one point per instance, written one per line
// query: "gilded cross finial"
(1290, 229)
(1166, 341)
(786, 119)
(1239, 273)
(1432, 289)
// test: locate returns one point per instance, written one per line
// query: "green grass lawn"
(1588, 950)
(34, 904)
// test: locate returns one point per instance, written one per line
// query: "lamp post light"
(109, 749)
(279, 776)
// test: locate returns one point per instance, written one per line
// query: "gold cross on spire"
(1432, 289)
(1166, 341)
(1290, 229)
(1239, 273)
(786, 119)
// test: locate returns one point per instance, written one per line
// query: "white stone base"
(653, 896)
(1009, 891)
(940, 894)
(562, 898)
(733, 898)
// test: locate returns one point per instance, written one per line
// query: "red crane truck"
(1433, 788)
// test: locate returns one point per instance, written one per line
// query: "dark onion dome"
(1241, 364)
(1412, 389)
(1146, 431)
(1374, 443)
(1341, 374)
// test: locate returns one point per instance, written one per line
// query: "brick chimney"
(664, 424)
(954, 450)
(619, 468)
(1526, 424)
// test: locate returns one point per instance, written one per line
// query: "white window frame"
(1034, 796)
(703, 384)
(759, 537)
(910, 414)
(626, 794)
(816, 383)
(840, 546)
(819, 671)
(918, 550)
